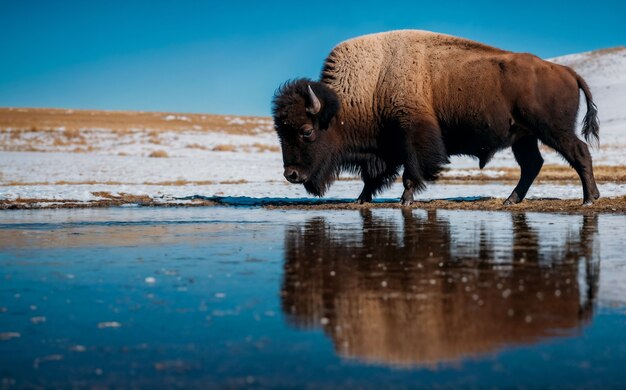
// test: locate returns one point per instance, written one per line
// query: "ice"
(38, 320)
(49, 358)
(9, 335)
(109, 324)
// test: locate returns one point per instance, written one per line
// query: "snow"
(102, 141)
(605, 72)
(176, 118)
(278, 189)
(236, 121)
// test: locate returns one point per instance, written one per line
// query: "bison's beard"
(324, 176)
(315, 188)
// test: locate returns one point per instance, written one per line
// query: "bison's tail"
(591, 125)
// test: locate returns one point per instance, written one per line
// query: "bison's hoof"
(406, 201)
(511, 200)
(407, 198)
(587, 203)
(364, 199)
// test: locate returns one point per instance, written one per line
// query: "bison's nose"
(293, 175)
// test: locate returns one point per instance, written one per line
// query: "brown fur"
(412, 98)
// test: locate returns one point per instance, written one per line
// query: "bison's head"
(304, 113)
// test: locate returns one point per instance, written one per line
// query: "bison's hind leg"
(576, 153)
(527, 155)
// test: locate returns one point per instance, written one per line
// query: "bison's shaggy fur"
(412, 98)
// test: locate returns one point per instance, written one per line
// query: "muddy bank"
(615, 205)
(605, 205)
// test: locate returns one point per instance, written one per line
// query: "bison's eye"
(307, 133)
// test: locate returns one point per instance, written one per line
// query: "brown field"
(43, 119)
(88, 131)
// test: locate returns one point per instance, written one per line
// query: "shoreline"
(611, 205)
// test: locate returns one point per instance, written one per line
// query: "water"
(254, 298)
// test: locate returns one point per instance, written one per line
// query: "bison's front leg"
(373, 185)
(370, 185)
(424, 157)
(366, 195)
(407, 195)
(527, 155)
(411, 179)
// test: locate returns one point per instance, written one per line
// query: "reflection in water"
(410, 292)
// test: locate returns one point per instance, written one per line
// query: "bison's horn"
(316, 106)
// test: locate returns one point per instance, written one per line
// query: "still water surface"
(255, 298)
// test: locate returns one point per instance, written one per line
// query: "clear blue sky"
(229, 56)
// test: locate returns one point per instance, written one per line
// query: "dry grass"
(601, 52)
(58, 141)
(16, 135)
(549, 173)
(86, 149)
(224, 148)
(196, 146)
(179, 182)
(122, 196)
(158, 154)
(72, 133)
(266, 148)
(108, 200)
(38, 119)
(255, 147)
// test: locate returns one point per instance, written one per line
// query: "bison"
(413, 98)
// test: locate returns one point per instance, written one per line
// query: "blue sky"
(228, 57)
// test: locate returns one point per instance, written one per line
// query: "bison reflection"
(417, 295)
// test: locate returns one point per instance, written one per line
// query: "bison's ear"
(322, 102)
